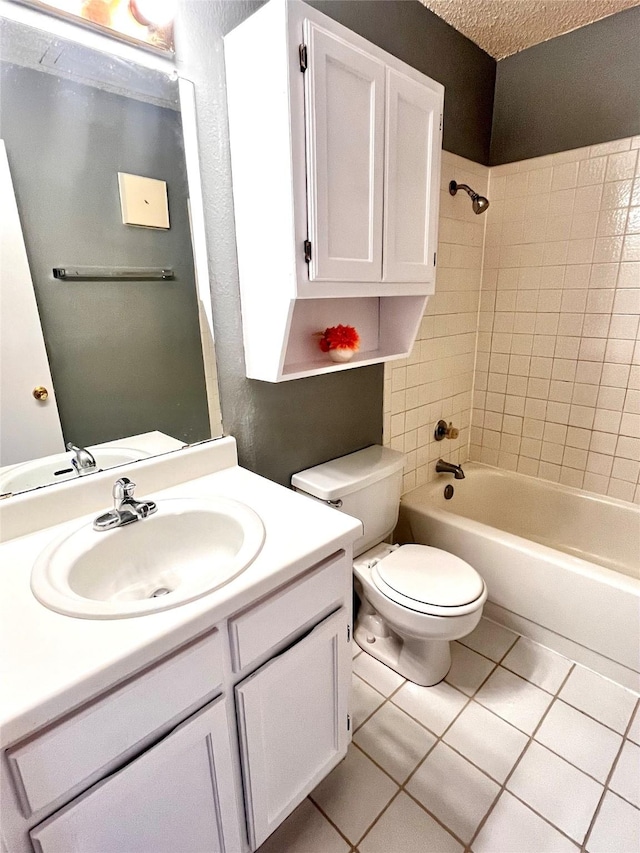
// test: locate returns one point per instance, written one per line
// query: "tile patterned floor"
(519, 750)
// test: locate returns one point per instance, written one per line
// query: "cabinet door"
(292, 715)
(178, 796)
(344, 112)
(412, 179)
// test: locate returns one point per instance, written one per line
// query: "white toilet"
(414, 599)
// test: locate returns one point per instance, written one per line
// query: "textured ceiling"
(503, 27)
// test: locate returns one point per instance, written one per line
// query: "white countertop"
(50, 663)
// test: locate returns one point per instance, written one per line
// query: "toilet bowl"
(414, 601)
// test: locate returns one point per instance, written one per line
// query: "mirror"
(128, 364)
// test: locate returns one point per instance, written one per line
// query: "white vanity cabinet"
(335, 148)
(175, 797)
(208, 749)
(293, 723)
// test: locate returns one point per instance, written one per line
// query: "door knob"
(40, 393)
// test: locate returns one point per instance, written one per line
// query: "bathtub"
(562, 566)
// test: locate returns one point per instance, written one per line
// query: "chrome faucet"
(443, 467)
(83, 461)
(125, 509)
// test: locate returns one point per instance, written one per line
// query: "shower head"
(479, 202)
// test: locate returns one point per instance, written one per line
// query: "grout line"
(402, 789)
(595, 719)
(513, 769)
(379, 815)
(609, 777)
(440, 739)
(328, 819)
(402, 786)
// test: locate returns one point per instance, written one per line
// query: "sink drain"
(160, 591)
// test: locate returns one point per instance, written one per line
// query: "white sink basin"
(58, 468)
(186, 550)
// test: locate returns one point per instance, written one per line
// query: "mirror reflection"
(107, 357)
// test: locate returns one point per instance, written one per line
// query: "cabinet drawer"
(79, 749)
(278, 617)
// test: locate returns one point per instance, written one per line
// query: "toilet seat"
(412, 573)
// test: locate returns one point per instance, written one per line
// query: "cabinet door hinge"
(302, 52)
(348, 722)
(434, 258)
(307, 251)
(440, 121)
(348, 633)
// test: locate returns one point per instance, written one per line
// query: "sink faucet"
(125, 508)
(443, 467)
(83, 461)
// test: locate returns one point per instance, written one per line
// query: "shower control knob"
(445, 430)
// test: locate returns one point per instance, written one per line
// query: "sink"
(58, 468)
(187, 549)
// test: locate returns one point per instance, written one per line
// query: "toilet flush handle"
(335, 504)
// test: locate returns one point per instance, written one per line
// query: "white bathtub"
(562, 566)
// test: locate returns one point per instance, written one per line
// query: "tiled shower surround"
(436, 381)
(557, 370)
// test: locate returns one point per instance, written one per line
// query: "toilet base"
(424, 662)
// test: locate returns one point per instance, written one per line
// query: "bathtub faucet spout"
(443, 467)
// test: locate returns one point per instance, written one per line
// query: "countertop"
(52, 663)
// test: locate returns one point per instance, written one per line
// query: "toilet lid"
(430, 576)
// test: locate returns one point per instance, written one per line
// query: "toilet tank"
(369, 485)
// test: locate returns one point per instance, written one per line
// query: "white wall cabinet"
(344, 89)
(335, 149)
(253, 711)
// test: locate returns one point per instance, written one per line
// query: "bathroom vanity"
(198, 727)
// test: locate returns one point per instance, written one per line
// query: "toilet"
(414, 599)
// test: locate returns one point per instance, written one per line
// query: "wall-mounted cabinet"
(335, 148)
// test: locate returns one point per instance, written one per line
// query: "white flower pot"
(341, 354)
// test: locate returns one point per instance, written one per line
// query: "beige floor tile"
(490, 639)
(379, 676)
(487, 741)
(395, 741)
(634, 730)
(435, 707)
(363, 701)
(602, 699)
(626, 777)
(556, 790)
(354, 794)
(468, 669)
(406, 828)
(513, 828)
(580, 740)
(617, 827)
(541, 666)
(305, 831)
(461, 804)
(517, 701)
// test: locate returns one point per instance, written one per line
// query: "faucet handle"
(122, 490)
(445, 430)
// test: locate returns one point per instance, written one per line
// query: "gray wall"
(283, 428)
(575, 90)
(125, 356)
(408, 30)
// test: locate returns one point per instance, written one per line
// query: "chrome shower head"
(479, 202)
